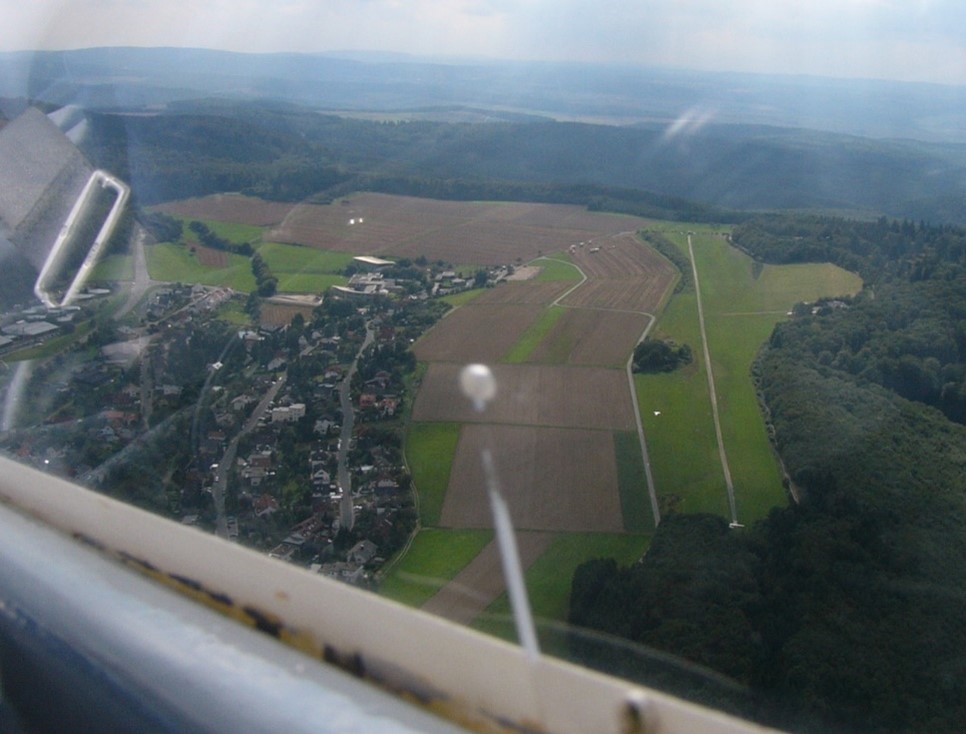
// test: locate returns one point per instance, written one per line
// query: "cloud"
(917, 39)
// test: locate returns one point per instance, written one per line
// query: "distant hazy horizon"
(850, 39)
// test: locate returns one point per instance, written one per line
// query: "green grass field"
(553, 269)
(435, 557)
(174, 263)
(430, 448)
(742, 303)
(548, 580)
(632, 483)
(532, 337)
(112, 268)
(233, 312)
(462, 298)
(307, 282)
(232, 231)
(306, 260)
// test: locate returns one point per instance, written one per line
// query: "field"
(435, 557)
(298, 269)
(534, 335)
(548, 584)
(429, 452)
(554, 268)
(552, 478)
(228, 208)
(590, 337)
(742, 303)
(481, 580)
(476, 333)
(484, 233)
(561, 428)
(210, 258)
(280, 314)
(565, 397)
(624, 274)
(528, 293)
(113, 267)
(175, 263)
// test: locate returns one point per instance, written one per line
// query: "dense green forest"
(844, 610)
(290, 153)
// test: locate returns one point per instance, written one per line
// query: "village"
(242, 430)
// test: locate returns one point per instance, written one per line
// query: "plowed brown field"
(552, 478)
(524, 292)
(461, 232)
(211, 258)
(591, 337)
(476, 333)
(532, 395)
(624, 274)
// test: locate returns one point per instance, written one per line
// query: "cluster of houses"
(31, 325)
(125, 402)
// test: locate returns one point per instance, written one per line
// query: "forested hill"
(843, 612)
(287, 152)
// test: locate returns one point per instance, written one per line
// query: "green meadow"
(298, 269)
(548, 580)
(430, 448)
(554, 269)
(435, 556)
(632, 483)
(233, 231)
(743, 301)
(307, 260)
(175, 263)
(461, 298)
(113, 267)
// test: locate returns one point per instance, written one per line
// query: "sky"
(914, 40)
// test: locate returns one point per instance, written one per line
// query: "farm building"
(371, 264)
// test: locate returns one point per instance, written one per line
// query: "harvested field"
(476, 333)
(591, 337)
(552, 478)
(229, 208)
(532, 395)
(211, 258)
(624, 274)
(483, 233)
(531, 293)
(282, 314)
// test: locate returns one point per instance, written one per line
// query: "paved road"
(714, 397)
(348, 423)
(227, 461)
